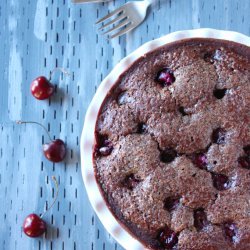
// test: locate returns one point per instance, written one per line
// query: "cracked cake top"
(172, 154)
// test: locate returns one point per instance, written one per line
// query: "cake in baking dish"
(172, 153)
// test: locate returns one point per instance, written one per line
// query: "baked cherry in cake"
(104, 146)
(171, 203)
(200, 219)
(168, 155)
(167, 238)
(220, 181)
(200, 160)
(244, 161)
(165, 77)
(219, 136)
(172, 157)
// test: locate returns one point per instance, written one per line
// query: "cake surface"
(172, 154)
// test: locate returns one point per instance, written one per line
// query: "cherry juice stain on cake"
(162, 116)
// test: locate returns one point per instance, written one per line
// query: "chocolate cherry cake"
(172, 153)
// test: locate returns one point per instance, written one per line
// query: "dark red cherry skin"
(171, 203)
(219, 136)
(200, 160)
(200, 219)
(219, 93)
(34, 226)
(231, 231)
(247, 150)
(168, 238)
(165, 77)
(168, 155)
(220, 181)
(55, 151)
(142, 128)
(244, 162)
(41, 88)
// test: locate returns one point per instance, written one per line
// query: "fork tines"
(118, 21)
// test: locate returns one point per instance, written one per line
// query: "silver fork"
(89, 1)
(125, 18)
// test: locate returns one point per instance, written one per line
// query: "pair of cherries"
(42, 88)
(55, 151)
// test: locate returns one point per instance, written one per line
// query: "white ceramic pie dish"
(98, 203)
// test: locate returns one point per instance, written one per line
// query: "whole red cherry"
(41, 88)
(55, 151)
(34, 226)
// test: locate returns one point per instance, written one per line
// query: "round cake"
(172, 153)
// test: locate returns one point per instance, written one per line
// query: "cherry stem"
(37, 123)
(54, 201)
(64, 71)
